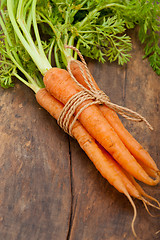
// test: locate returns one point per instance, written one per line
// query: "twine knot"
(68, 118)
(99, 96)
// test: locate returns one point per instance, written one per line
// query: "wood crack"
(71, 190)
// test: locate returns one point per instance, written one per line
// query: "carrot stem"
(26, 39)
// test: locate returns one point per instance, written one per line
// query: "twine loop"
(69, 114)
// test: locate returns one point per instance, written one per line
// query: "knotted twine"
(90, 93)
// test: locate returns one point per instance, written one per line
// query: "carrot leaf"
(99, 28)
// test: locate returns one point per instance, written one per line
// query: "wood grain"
(35, 192)
(49, 189)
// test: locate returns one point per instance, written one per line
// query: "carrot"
(59, 83)
(94, 151)
(104, 163)
(130, 142)
(102, 160)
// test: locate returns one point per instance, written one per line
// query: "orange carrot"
(103, 161)
(59, 83)
(133, 146)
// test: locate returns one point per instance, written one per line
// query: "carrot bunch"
(115, 153)
(102, 142)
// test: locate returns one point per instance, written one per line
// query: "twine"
(68, 118)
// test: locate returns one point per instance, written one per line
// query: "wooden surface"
(49, 189)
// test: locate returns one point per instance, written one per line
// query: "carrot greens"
(15, 62)
(22, 52)
(99, 28)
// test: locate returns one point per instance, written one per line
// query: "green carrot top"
(32, 30)
(98, 28)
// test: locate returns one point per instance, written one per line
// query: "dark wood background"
(49, 189)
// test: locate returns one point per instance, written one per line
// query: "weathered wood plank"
(143, 95)
(34, 170)
(36, 182)
(99, 212)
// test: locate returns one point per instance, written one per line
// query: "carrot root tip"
(152, 198)
(135, 213)
(145, 202)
